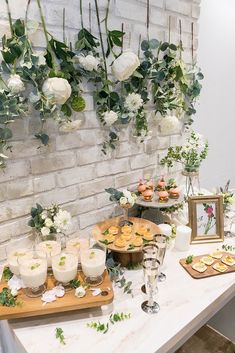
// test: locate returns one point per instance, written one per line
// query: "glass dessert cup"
(33, 271)
(150, 250)
(51, 244)
(15, 250)
(64, 267)
(124, 219)
(76, 245)
(93, 264)
(151, 268)
(161, 241)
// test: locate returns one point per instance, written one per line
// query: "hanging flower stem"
(101, 38)
(107, 30)
(46, 35)
(9, 17)
(81, 14)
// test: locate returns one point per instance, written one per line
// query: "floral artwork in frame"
(206, 218)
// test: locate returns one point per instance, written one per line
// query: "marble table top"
(186, 304)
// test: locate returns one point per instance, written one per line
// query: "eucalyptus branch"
(9, 17)
(107, 30)
(46, 35)
(101, 38)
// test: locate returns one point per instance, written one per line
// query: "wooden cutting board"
(35, 307)
(210, 271)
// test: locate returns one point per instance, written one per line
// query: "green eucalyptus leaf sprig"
(7, 299)
(113, 318)
(227, 247)
(7, 274)
(116, 274)
(59, 334)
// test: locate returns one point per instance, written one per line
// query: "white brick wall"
(72, 170)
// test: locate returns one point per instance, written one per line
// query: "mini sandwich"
(120, 243)
(216, 254)
(113, 230)
(218, 266)
(137, 242)
(228, 260)
(207, 260)
(199, 267)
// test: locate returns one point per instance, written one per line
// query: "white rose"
(57, 89)
(169, 125)
(71, 126)
(110, 117)
(123, 200)
(15, 84)
(44, 215)
(45, 231)
(14, 292)
(133, 102)
(124, 66)
(48, 222)
(89, 62)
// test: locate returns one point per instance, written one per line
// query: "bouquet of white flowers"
(125, 198)
(49, 220)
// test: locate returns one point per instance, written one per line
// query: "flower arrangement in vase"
(125, 199)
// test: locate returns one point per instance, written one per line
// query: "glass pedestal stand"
(192, 183)
(124, 219)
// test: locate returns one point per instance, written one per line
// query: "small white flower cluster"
(15, 84)
(169, 125)
(54, 219)
(133, 102)
(127, 198)
(89, 62)
(110, 117)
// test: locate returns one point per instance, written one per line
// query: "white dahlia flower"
(133, 102)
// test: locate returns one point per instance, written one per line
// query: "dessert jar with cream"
(65, 266)
(14, 250)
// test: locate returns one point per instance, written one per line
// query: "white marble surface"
(186, 304)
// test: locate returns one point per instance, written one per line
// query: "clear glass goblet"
(151, 268)
(64, 267)
(51, 244)
(149, 250)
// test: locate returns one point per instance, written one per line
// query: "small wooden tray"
(102, 226)
(35, 307)
(209, 271)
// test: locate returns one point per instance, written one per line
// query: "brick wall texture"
(72, 170)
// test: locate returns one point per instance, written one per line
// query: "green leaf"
(173, 47)
(114, 96)
(78, 104)
(164, 46)
(18, 28)
(154, 43)
(44, 138)
(159, 76)
(66, 110)
(5, 133)
(145, 45)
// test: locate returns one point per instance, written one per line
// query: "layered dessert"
(33, 272)
(93, 262)
(51, 248)
(13, 257)
(64, 267)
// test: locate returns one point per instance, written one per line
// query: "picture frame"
(206, 218)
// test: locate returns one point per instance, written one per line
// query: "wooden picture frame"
(206, 218)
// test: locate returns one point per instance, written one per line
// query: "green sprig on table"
(59, 334)
(7, 274)
(189, 259)
(227, 247)
(113, 318)
(75, 283)
(7, 299)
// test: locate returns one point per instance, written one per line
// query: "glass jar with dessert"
(64, 267)
(51, 244)
(17, 249)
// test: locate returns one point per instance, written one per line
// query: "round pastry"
(110, 238)
(161, 184)
(141, 187)
(148, 195)
(163, 196)
(125, 236)
(174, 193)
(113, 230)
(141, 230)
(148, 236)
(126, 229)
(137, 241)
(120, 243)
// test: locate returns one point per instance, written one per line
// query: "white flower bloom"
(45, 231)
(133, 102)
(71, 126)
(169, 125)
(48, 222)
(62, 220)
(110, 117)
(88, 62)
(27, 64)
(44, 214)
(57, 89)
(125, 65)
(41, 60)
(14, 292)
(129, 196)
(15, 84)
(123, 200)
(3, 156)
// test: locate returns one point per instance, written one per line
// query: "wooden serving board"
(137, 222)
(209, 271)
(35, 307)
